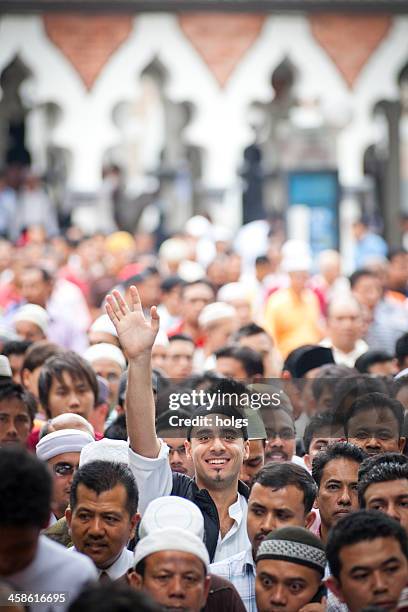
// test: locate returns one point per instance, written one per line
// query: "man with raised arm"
(217, 449)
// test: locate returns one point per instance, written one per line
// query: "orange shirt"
(293, 320)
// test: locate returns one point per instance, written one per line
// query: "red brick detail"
(221, 39)
(88, 41)
(349, 40)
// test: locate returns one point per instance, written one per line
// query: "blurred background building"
(142, 113)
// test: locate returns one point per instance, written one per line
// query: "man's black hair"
(381, 468)
(38, 353)
(225, 388)
(101, 476)
(25, 489)
(170, 282)
(229, 412)
(251, 329)
(338, 450)
(112, 597)
(261, 260)
(329, 374)
(351, 388)
(325, 421)
(370, 358)
(15, 347)
(54, 367)
(401, 349)
(355, 277)
(164, 428)
(11, 390)
(362, 526)
(117, 430)
(143, 275)
(376, 401)
(250, 360)
(279, 475)
(182, 337)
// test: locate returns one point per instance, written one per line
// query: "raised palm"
(136, 335)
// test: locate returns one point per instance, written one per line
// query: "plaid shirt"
(240, 570)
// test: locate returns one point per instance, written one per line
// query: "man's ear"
(134, 520)
(308, 461)
(246, 450)
(68, 516)
(135, 580)
(206, 589)
(187, 446)
(334, 586)
(401, 444)
(310, 519)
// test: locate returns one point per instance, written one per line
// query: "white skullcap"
(190, 271)
(104, 324)
(172, 510)
(198, 226)
(104, 350)
(174, 250)
(5, 369)
(232, 291)
(62, 441)
(116, 451)
(34, 314)
(215, 312)
(296, 256)
(171, 538)
(161, 339)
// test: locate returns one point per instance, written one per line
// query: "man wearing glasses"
(61, 450)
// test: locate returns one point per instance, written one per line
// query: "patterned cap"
(295, 545)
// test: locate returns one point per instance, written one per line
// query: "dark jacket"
(184, 486)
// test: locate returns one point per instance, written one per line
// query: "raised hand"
(136, 335)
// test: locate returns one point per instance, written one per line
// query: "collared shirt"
(240, 570)
(119, 567)
(154, 479)
(54, 570)
(237, 536)
(347, 359)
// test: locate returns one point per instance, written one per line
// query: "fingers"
(123, 307)
(112, 309)
(110, 312)
(135, 303)
(155, 319)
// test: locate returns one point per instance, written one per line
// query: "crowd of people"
(217, 423)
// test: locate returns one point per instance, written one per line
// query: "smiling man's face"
(217, 452)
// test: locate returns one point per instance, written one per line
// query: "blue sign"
(318, 190)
